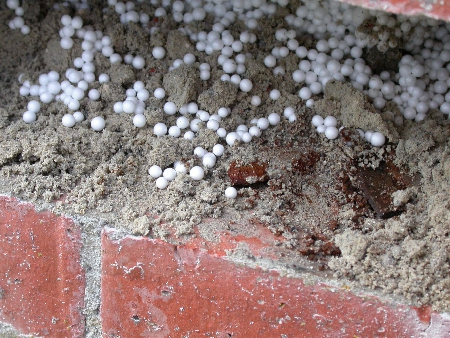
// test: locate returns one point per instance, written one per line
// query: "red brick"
(153, 289)
(41, 279)
(434, 9)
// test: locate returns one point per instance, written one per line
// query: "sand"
(375, 217)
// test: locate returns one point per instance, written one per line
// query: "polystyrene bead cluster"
(422, 83)
(18, 22)
(326, 126)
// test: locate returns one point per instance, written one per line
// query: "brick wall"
(62, 277)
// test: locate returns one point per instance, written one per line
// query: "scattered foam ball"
(274, 94)
(174, 131)
(180, 168)
(189, 58)
(94, 94)
(182, 122)
(143, 94)
(138, 62)
(29, 116)
(246, 85)
(103, 78)
(118, 107)
(288, 112)
(223, 112)
(169, 174)
(317, 120)
(256, 100)
(218, 150)
(331, 133)
(159, 93)
(33, 106)
(128, 106)
(98, 123)
(158, 53)
(273, 119)
(78, 116)
(199, 151)
(221, 132)
(68, 120)
(231, 192)
(139, 120)
(246, 137)
(189, 135)
(197, 173)
(170, 108)
(160, 129)
(254, 131)
(66, 43)
(212, 124)
(330, 121)
(161, 183)
(262, 123)
(232, 137)
(377, 139)
(305, 93)
(270, 61)
(209, 160)
(155, 171)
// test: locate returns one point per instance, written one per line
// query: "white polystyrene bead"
(197, 173)
(245, 85)
(274, 94)
(182, 122)
(98, 123)
(174, 131)
(160, 129)
(221, 132)
(330, 121)
(128, 106)
(256, 100)
(218, 150)
(212, 124)
(273, 119)
(34, 106)
(94, 94)
(29, 117)
(189, 135)
(78, 116)
(170, 108)
(262, 123)
(161, 183)
(321, 129)
(317, 120)
(209, 160)
(231, 192)
(139, 120)
(159, 93)
(331, 133)
(158, 53)
(169, 174)
(232, 137)
(270, 61)
(66, 43)
(68, 120)
(377, 139)
(155, 171)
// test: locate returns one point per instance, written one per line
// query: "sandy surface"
(377, 216)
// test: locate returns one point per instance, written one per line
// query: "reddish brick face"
(153, 289)
(41, 279)
(435, 9)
